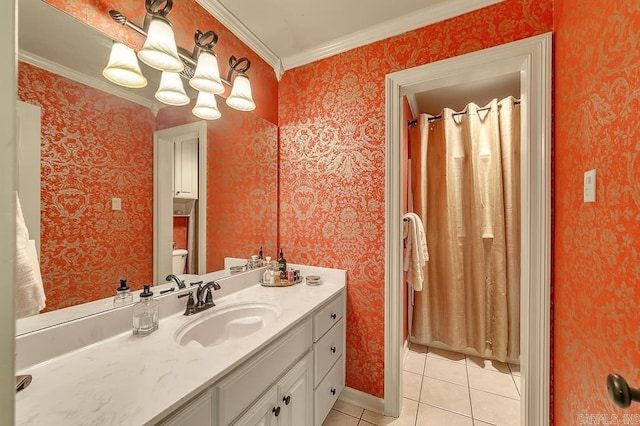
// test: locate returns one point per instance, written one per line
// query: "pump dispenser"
(145, 313)
(123, 295)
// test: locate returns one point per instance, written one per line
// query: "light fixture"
(199, 66)
(206, 107)
(171, 91)
(123, 68)
(160, 50)
(240, 97)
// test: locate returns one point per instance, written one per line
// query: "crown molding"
(74, 75)
(233, 24)
(402, 24)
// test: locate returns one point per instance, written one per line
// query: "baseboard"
(361, 399)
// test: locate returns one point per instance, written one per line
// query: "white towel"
(416, 254)
(30, 298)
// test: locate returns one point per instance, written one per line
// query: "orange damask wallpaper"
(186, 16)
(597, 245)
(95, 146)
(332, 147)
(242, 182)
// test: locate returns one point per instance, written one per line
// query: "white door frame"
(163, 194)
(532, 59)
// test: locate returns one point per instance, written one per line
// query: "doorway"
(531, 59)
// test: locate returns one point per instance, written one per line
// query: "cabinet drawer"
(328, 391)
(327, 316)
(238, 390)
(327, 351)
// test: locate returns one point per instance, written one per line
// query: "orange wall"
(95, 146)
(186, 17)
(180, 231)
(331, 117)
(242, 171)
(597, 245)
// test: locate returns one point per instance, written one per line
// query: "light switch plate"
(590, 186)
(116, 204)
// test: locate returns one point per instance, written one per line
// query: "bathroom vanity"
(289, 371)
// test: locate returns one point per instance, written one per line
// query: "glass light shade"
(207, 75)
(123, 67)
(206, 107)
(159, 50)
(240, 97)
(171, 91)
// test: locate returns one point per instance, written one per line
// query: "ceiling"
(291, 33)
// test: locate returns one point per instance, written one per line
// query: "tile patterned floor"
(446, 388)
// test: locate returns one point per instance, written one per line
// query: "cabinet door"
(264, 412)
(186, 168)
(295, 394)
(195, 413)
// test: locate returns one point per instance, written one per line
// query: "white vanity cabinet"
(288, 403)
(185, 168)
(294, 381)
(328, 359)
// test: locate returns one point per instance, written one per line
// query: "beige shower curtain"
(465, 181)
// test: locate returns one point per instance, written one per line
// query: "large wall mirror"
(96, 170)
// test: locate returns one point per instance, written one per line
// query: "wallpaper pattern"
(332, 147)
(597, 245)
(242, 182)
(186, 17)
(95, 146)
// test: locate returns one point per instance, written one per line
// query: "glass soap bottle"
(123, 295)
(145, 313)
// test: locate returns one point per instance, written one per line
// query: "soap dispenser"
(123, 295)
(145, 313)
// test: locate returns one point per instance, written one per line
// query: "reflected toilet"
(179, 261)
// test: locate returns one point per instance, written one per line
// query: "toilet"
(179, 261)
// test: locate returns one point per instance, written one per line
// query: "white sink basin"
(220, 325)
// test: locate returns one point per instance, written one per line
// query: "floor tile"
(517, 381)
(487, 364)
(415, 362)
(480, 423)
(447, 355)
(495, 409)
(411, 384)
(446, 395)
(350, 409)
(336, 418)
(454, 372)
(365, 423)
(429, 415)
(492, 381)
(407, 415)
(515, 369)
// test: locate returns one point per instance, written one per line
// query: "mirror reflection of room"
(90, 209)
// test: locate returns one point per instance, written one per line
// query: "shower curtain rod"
(412, 123)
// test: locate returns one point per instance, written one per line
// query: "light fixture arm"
(240, 65)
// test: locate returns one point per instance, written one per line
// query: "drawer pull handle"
(333, 391)
(286, 399)
(333, 316)
(276, 411)
(333, 349)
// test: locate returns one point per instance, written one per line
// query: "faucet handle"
(195, 284)
(191, 304)
(208, 300)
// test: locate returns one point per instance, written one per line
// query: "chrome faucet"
(206, 302)
(176, 279)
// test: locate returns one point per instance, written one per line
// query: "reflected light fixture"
(199, 67)
(123, 68)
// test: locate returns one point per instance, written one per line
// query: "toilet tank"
(179, 261)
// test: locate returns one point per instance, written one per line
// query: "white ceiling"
(291, 33)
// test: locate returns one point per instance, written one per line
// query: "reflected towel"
(30, 298)
(416, 254)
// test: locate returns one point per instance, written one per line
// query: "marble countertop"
(139, 380)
